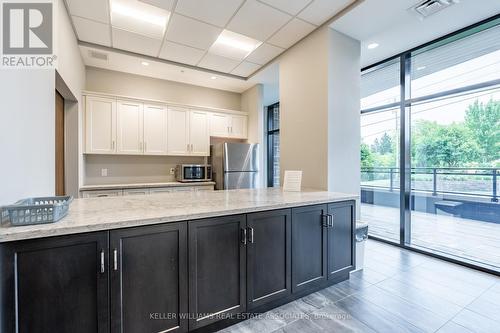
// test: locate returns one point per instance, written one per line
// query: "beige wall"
(319, 109)
(119, 83)
(252, 102)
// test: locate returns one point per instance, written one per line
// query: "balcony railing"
(480, 182)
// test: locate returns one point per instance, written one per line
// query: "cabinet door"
(149, 279)
(102, 193)
(155, 129)
(57, 284)
(199, 138)
(219, 125)
(129, 128)
(309, 245)
(217, 269)
(341, 242)
(238, 127)
(136, 191)
(268, 257)
(100, 125)
(177, 131)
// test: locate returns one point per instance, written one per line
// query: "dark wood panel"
(268, 257)
(341, 242)
(309, 240)
(55, 285)
(149, 279)
(217, 269)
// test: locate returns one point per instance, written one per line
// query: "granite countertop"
(142, 185)
(96, 214)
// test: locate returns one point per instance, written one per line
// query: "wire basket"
(36, 210)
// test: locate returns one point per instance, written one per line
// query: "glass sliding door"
(438, 118)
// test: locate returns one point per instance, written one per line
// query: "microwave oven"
(193, 173)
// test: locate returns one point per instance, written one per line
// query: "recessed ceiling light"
(232, 45)
(372, 46)
(138, 17)
(145, 63)
(213, 77)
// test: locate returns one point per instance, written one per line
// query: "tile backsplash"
(133, 169)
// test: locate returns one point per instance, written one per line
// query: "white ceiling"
(395, 29)
(194, 25)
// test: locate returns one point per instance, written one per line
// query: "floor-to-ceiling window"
(273, 145)
(430, 147)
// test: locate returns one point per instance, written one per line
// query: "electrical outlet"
(172, 171)
(104, 172)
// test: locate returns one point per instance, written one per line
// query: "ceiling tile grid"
(202, 32)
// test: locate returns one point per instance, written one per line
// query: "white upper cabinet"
(155, 129)
(219, 124)
(228, 126)
(129, 128)
(100, 125)
(238, 128)
(178, 131)
(199, 138)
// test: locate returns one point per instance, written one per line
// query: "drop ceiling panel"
(257, 20)
(190, 32)
(218, 63)
(292, 32)
(245, 69)
(181, 53)
(129, 41)
(92, 31)
(292, 7)
(321, 10)
(91, 9)
(163, 4)
(216, 12)
(264, 53)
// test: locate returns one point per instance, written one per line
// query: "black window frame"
(405, 103)
(271, 130)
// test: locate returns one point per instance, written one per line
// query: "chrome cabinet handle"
(330, 220)
(250, 236)
(325, 220)
(102, 262)
(115, 259)
(244, 236)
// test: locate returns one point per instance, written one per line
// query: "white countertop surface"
(142, 185)
(96, 214)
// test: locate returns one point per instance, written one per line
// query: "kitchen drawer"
(102, 193)
(204, 188)
(136, 191)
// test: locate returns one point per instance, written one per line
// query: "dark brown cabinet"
(268, 256)
(217, 269)
(309, 247)
(149, 279)
(341, 242)
(55, 285)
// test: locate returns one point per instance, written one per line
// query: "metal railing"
(422, 176)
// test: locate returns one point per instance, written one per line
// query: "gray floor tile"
(476, 323)
(451, 327)
(333, 319)
(486, 308)
(292, 311)
(352, 286)
(370, 275)
(300, 326)
(260, 324)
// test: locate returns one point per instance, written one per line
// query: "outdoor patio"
(469, 239)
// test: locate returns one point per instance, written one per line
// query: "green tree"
(438, 145)
(366, 156)
(483, 121)
(384, 145)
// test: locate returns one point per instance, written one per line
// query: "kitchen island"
(173, 261)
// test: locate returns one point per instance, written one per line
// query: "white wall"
(27, 123)
(119, 83)
(319, 110)
(252, 101)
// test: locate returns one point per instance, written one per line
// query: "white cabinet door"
(238, 128)
(155, 129)
(159, 190)
(136, 191)
(199, 138)
(129, 128)
(219, 124)
(178, 131)
(100, 125)
(102, 193)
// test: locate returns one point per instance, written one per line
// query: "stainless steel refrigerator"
(234, 165)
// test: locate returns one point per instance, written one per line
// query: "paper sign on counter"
(292, 181)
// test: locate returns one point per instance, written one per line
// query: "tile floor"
(398, 291)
